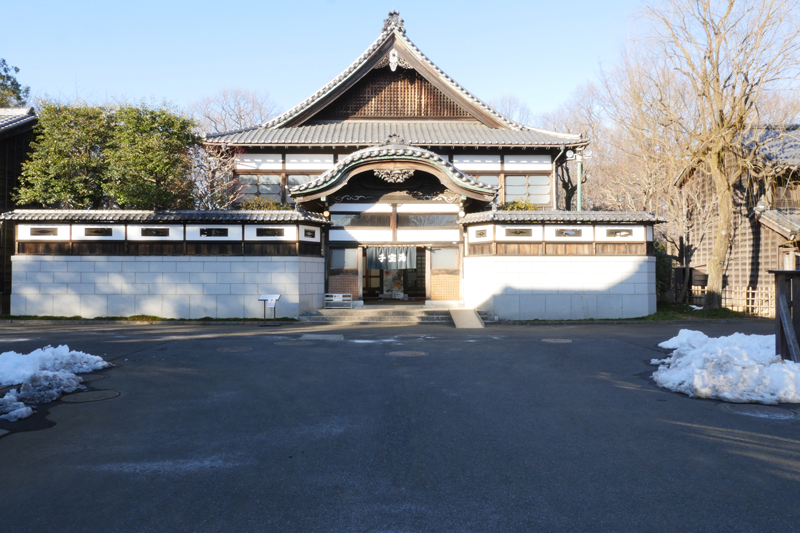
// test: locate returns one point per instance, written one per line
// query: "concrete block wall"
(561, 288)
(164, 286)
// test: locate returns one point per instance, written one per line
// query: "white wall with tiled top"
(561, 288)
(164, 286)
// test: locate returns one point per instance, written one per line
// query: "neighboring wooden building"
(16, 134)
(766, 232)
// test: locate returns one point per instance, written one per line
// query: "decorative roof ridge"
(395, 146)
(392, 26)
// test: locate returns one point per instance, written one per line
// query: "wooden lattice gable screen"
(404, 93)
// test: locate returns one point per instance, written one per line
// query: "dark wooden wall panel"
(263, 248)
(403, 93)
(213, 248)
(155, 248)
(310, 248)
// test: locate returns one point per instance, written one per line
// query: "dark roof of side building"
(780, 144)
(13, 118)
(786, 222)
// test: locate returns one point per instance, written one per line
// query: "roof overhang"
(162, 217)
(785, 224)
(569, 217)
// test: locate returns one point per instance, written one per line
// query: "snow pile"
(45, 374)
(738, 368)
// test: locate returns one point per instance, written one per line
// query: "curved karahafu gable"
(396, 151)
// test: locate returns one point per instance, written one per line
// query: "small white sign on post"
(269, 301)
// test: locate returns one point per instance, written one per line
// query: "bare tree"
(214, 177)
(233, 109)
(512, 107)
(731, 56)
(581, 113)
(214, 170)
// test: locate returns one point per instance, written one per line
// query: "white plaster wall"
(561, 288)
(165, 286)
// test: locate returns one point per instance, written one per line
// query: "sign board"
(338, 297)
(270, 299)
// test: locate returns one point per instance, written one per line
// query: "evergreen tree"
(91, 157)
(12, 94)
(67, 167)
(149, 165)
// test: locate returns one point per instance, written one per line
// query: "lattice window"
(403, 93)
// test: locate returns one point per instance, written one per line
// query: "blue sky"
(180, 51)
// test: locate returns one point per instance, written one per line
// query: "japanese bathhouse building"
(398, 175)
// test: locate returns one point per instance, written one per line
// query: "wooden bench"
(338, 301)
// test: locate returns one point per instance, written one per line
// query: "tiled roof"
(11, 117)
(781, 144)
(784, 221)
(602, 217)
(395, 152)
(273, 132)
(419, 133)
(74, 215)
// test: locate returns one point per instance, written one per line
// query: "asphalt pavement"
(389, 429)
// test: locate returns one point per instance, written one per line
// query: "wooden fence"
(753, 301)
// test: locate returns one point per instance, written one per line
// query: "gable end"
(404, 93)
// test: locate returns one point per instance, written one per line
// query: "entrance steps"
(379, 315)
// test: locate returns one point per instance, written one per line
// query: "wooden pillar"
(787, 313)
(427, 273)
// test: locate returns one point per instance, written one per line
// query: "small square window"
(343, 257)
(40, 232)
(269, 232)
(155, 232)
(444, 258)
(213, 232)
(98, 232)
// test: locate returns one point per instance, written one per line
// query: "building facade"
(400, 176)
(16, 135)
(766, 226)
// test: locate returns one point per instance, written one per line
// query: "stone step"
(382, 312)
(374, 320)
(348, 312)
(384, 317)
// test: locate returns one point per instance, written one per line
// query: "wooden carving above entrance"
(422, 187)
(393, 175)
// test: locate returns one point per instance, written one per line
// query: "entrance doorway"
(395, 285)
